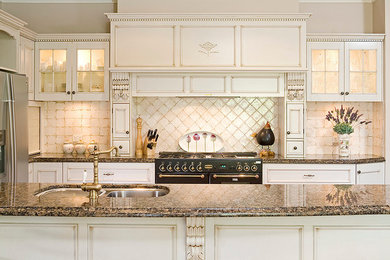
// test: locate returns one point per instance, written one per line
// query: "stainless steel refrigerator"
(13, 127)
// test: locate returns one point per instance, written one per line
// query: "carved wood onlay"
(295, 86)
(195, 240)
(120, 86)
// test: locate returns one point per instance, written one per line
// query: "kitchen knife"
(154, 133)
(156, 138)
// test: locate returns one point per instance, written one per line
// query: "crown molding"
(59, 1)
(228, 17)
(74, 37)
(11, 20)
(346, 37)
(29, 34)
(337, 1)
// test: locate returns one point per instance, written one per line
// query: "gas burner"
(185, 155)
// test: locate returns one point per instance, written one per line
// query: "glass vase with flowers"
(344, 121)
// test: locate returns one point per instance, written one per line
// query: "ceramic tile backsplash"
(64, 121)
(321, 139)
(234, 119)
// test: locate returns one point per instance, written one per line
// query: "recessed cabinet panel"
(257, 242)
(47, 173)
(123, 146)
(144, 46)
(295, 120)
(27, 63)
(207, 84)
(154, 84)
(74, 172)
(120, 120)
(127, 172)
(207, 46)
(271, 47)
(267, 85)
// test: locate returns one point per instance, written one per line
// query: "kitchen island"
(198, 222)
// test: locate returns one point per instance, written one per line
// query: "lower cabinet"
(309, 173)
(370, 173)
(120, 173)
(46, 173)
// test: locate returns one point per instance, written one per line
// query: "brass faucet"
(95, 187)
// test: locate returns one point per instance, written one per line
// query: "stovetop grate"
(224, 155)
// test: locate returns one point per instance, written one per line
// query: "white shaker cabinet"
(295, 121)
(74, 172)
(47, 173)
(370, 173)
(27, 63)
(126, 173)
(120, 120)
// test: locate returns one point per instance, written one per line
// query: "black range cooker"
(214, 168)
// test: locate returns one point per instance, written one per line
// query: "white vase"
(344, 149)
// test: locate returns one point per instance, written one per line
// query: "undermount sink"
(138, 192)
(62, 192)
(130, 191)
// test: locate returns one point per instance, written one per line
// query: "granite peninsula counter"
(196, 222)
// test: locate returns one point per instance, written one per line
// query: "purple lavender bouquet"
(344, 120)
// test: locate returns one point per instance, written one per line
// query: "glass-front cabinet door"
(363, 71)
(69, 71)
(325, 78)
(53, 67)
(91, 74)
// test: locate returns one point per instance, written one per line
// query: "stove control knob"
(169, 167)
(184, 167)
(246, 167)
(177, 167)
(254, 168)
(199, 167)
(161, 167)
(239, 167)
(192, 167)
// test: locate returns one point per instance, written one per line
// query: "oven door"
(234, 178)
(194, 178)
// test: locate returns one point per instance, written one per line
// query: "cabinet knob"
(73, 92)
(342, 93)
(346, 93)
(288, 132)
(68, 92)
(359, 172)
(127, 132)
(295, 148)
(120, 147)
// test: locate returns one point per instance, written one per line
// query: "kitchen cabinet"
(295, 121)
(123, 146)
(309, 173)
(47, 173)
(120, 120)
(370, 173)
(66, 71)
(208, 84)
(27, 63)
(150, 42)
(345, 71)
(74, 172)
(127, 173)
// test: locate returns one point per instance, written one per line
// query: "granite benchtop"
(309, 159)
(206, 200)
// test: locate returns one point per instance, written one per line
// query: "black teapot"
(266, 136)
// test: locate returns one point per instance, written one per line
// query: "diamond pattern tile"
(234, 119)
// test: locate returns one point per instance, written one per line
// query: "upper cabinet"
(66, 71)
(27, 63)
(205, 42)
(345, 68)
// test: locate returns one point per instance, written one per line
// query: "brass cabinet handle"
(236, 176)
(120, 147)
(108, 174)
(309, 175)
(181, 176)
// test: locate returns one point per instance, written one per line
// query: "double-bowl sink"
(128, 191)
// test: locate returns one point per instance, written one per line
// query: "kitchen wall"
(62, 121)
(234, 119)
(321, 138)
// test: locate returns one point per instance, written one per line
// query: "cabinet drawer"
(309, 173)
(123, 146)
(74, 172)
(126, 172)
(294, 148)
